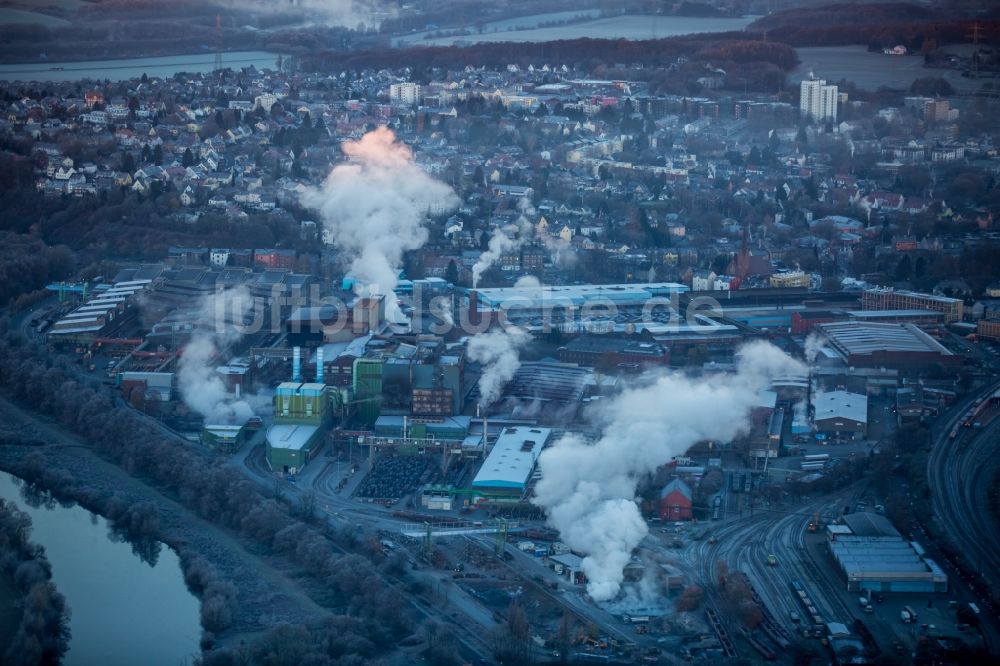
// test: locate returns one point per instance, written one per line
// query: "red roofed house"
(675, 501)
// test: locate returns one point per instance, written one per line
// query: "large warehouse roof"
(576, 295)
(513, 458)
(544, 380)
(870, 525)
(944, 300)
(854, 338)
(872, 549)
(879, 555)
(841, 405)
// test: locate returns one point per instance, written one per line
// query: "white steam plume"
(528, 282)
(588, 488)
(813, 345)
(800, 412)
(201, 387)
(561, 251)
(375, 207)
(346, 13)
(508, 238)
(499, 352)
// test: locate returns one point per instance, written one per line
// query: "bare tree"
(512, 640)
(721, 572)
(564, 637)
(691, 598)
(307, 506)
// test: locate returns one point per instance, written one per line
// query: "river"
(872, 70)
(124, 611)
(129, 68)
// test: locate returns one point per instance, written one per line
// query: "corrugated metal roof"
(513, 457)
(866, 338)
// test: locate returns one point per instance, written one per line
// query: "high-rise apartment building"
(818, 101)
(404, 94)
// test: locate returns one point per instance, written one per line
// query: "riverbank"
(9, 614)
(36, 618)
(264, 596)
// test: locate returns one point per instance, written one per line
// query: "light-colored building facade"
(404, 94)
(818, 100)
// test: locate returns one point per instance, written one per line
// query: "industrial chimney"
(296, 364)
(319, 366)
(474, 307)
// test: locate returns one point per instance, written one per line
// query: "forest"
(42, 633)
(880, 25)
(654, 52)
(28, 264)
(846, 14)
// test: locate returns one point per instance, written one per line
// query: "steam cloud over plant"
(499, 352)
(374, 207)
(508, 238)
(588, 487)
(201, 387)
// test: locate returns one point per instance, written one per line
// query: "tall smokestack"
(319, 366)
(296, 364)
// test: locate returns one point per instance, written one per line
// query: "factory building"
(444, 428)
(224, 438)
(884, 345)
(145, 386)
(569, 308)
(548, 392)
(105, 311)
(337, 359)
(290, 446)
(366, 388)
(611, 352)
(841, 415)
(918, 317)
(873, 556)
(893, 299)
(508, 467)
(316, 325)
(301, 413)
(803, 321)
(425, 378)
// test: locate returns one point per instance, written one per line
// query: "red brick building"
(275, 258)
(675, 501)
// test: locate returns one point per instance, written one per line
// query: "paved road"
(959, 472)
